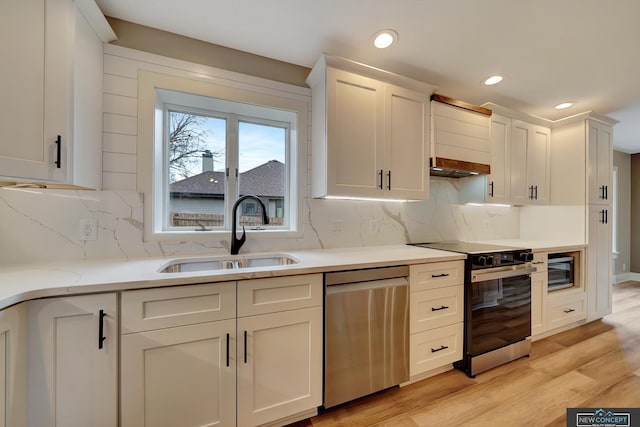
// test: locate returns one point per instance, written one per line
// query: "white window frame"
(154, 91)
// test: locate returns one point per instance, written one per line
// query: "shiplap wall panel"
(117, 162)
(118, 85)
(118, 180)
(119, 143)
(118, 123)
(119, 104)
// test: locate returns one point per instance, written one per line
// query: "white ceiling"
(551, 51)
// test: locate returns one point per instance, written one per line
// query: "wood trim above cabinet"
(461, 104)
(461, 165)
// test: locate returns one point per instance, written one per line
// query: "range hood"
(460, 138)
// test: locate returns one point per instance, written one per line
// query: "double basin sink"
(233, 262)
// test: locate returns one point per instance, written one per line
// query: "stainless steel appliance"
(366, 332)
(561, 271)
(497, 321)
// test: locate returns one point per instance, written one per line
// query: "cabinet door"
(406, 131)
(530, 169)
(520, 140)
(180, 377)
(72, 381)
(13, 366)
(599, 262)
(499, 188)
(538, 165)
(600, 163)
(279, 365)
(35, 77)
(355, 121)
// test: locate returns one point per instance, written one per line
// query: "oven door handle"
(502, 273)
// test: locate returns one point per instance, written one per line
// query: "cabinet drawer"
(436, 275)
(540, 261)
(150, 309)
(434, 308)
(259, 296)
(435, 348)
(566, 309)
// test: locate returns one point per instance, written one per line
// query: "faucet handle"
(242, 238)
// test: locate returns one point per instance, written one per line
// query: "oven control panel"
(498, 259)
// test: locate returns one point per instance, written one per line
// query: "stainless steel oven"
(498, 316)
(497, 294)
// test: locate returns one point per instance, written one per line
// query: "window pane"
(196, 155)
(263, 172)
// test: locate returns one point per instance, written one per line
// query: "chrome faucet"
(236, 243)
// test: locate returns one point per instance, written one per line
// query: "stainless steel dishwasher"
(366, 332)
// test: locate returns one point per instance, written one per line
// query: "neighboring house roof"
(266, 180)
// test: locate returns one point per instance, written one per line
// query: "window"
(214, 157)
(209, 147)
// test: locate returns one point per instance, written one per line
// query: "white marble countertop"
(29, 281)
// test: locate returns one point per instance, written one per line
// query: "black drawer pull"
(538, 262)
(569, 310)
(58, 161)
(245, 347)
(442, 307)
(440, 275)
(227, 350)
(442, 347)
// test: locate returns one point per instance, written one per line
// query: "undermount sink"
(227, 263)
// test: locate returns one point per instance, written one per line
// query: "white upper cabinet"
(52, 84)
(370, 132)
(530, 163)
(600, 142)
(499, 181)
(36, 78)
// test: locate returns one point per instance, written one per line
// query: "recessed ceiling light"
(492, 80)
(384, 38)
(563, 105)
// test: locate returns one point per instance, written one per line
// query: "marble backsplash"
(42, 225)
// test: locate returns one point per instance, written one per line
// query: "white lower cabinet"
(280, 365)
(181, 376)
(241, 353)
(565, 309)
(436, 316)
(72, 361)
(13, 366)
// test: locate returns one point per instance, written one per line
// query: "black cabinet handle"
(606, 192)
(491, 191)
(569, 310)
(381, 179)
(227, 350)
(389, 180)
(58, 161)
(439, 275)
(602, 216)
(442, 307)
(101, 336)
(606, 216)
(245, 346)
(442, 347)
(531, 192)
(538, 262)
(536, 188)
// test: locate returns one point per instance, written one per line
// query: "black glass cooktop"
(467, 247)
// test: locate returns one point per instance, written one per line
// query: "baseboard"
(619, 278)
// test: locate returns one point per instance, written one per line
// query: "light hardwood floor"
(594, 365)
